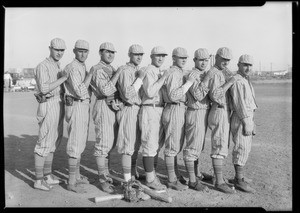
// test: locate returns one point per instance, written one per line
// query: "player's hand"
(247, 128)
(231, 80)
(64, 74)
(207, 77)
(166, 73)
(142, 73)
(192, 77)
(114, 105)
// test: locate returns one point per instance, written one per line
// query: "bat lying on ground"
(108, 197)
(152, 193)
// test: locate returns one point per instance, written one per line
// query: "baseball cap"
(136, 48)
(158, 51)
(107, 46)
(180, 52)
(246, 59)
(82, 44)
(225, 52)
(201, 53)
(58, 43)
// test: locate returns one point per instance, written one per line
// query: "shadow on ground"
(19, 160)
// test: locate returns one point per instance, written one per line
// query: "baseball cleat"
(76, 188)
(176, 185)
(156, 184)
(223, 187)
(198, 186)
(105, 186)
(49, 179)
(42, 185)
(82, 180)
(242, 185)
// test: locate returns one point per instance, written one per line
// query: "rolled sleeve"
(77, 84)
(125, 86)
(43, 79)
(103, 83)
(199, 91)
(238, 100)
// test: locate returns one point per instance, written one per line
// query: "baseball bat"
(108, 197)
(153, 194)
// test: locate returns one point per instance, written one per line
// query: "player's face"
(158, 60)
(222, 62)
(81, 54)
(107, 56)
(56, 54)
(179, 61)
(201, 64)
(245, 68)
(136, 58)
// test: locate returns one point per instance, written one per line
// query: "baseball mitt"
(133, 191)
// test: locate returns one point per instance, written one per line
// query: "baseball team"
(145, 108)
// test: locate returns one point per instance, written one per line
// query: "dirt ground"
(269, 164)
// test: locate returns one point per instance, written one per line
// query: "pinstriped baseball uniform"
(244, 105)
(196, 117)
(129, 133)
(150, 116)
(219, 115)
(50, 114)
(104, 117)
(173, 117)
(77, 116)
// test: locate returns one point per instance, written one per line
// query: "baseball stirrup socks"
(170, 168)
(101, 165)
(39, 166)
(238, 171)
(72, 170)
(189, 165)
(218, 166)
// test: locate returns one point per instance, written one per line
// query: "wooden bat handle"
(108, 197)
(157, 196)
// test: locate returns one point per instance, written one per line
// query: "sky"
(265, 32)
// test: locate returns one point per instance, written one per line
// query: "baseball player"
(77, 100)
(242, 120)
(196, 118)
(218, 80)
(150, 115)
(50, 113)
(104, 112)
(173, 117)
(129, 84)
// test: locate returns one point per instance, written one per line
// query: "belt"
(128, 104)
(154, 105)
(180, 103)
(219, 106)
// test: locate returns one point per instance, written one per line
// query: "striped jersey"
(100, 83)
(243, 97)
(47, 72)
(197, 95)
(151, 92)
(74, 85)
(216, 93)
(172, 90)
(126, 79)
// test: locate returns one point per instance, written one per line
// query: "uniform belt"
(128, 104)
(154, 105)
(77, 99)
(180, 103)
(220, 106)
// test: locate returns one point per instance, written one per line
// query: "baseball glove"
(133, 191)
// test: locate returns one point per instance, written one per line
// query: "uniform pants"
(106, 127)
(195, 131)
(151, 129)
(219, 122)
(242, 143)
(173, 119)
(50, 116)
(77, 118)
(129, 133)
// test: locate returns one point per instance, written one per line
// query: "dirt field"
(269, 164)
